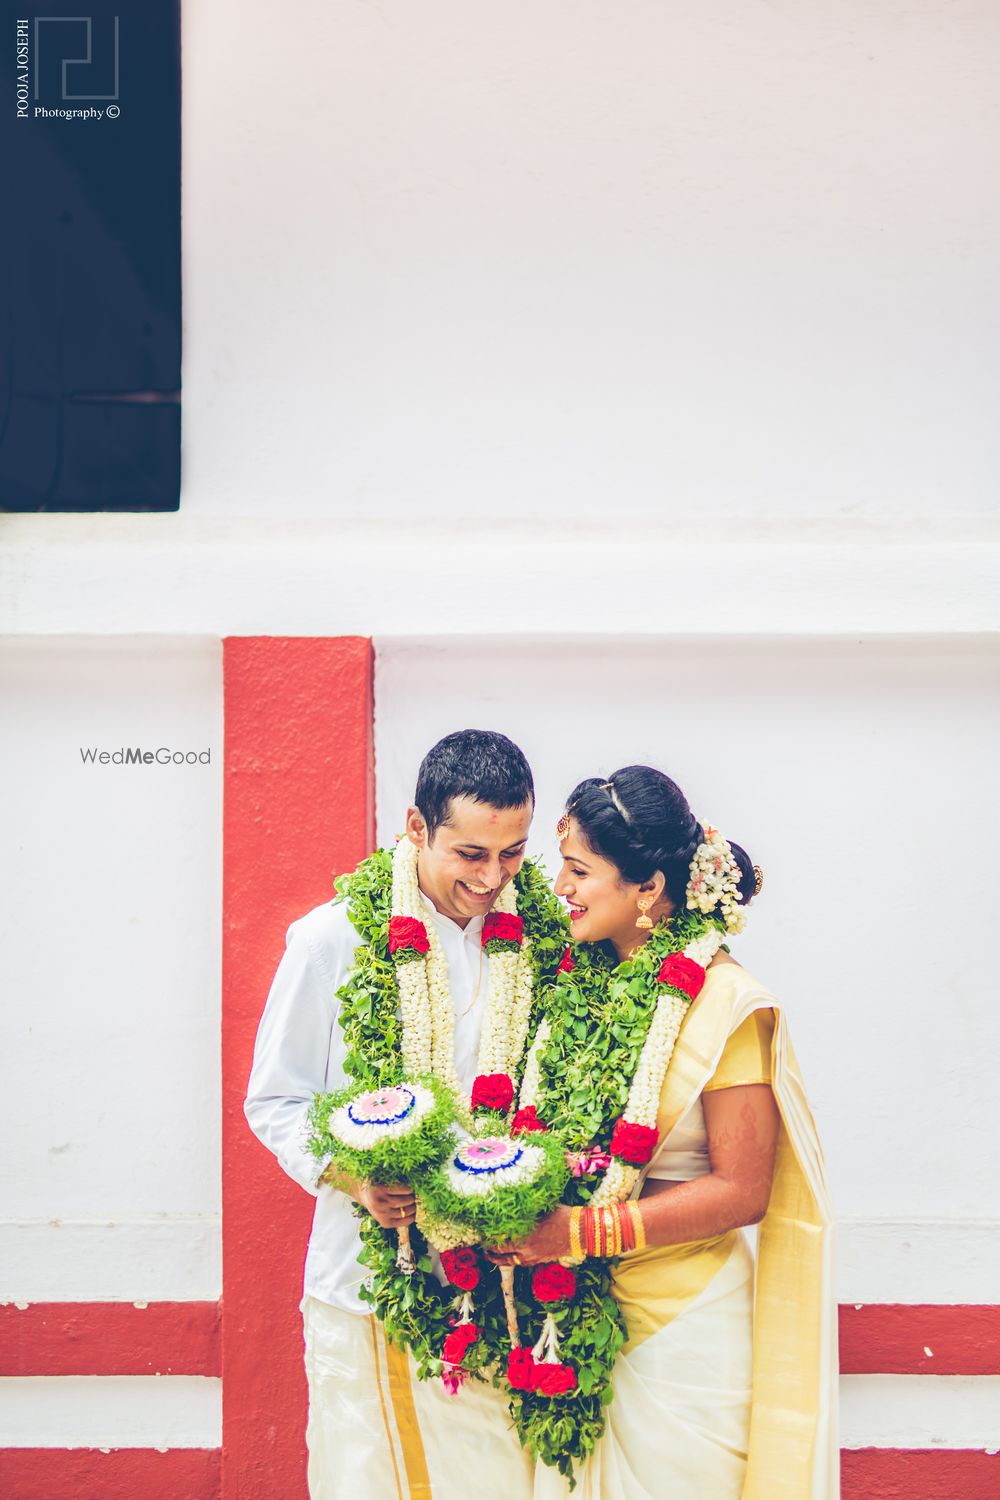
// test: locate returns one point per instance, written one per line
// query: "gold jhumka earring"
(642, 920)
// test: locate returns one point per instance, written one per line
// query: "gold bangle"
(612, 1235)
(638, 1225)
(575, 1243)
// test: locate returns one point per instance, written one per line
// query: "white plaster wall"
(859, 773)
(734, 259)
(109, 1113)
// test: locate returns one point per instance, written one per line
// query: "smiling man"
(372, 1425)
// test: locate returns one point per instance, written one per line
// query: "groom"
(372, 1428)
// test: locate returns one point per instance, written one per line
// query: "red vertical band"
(299, 805)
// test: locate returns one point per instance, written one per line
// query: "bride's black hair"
(640, 820)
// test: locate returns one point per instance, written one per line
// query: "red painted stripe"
(121, 1474)
(110, 1338)
(193, 1474)
(299, 799)
(182, 1338)
(919, 1474)
(893, 1339)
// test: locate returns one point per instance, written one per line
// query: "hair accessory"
(714, 884)
(642, 920)
(562, 827)
(758, 880)
(609, 787)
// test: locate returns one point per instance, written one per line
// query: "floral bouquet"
(385, 1135)
(495, 1188)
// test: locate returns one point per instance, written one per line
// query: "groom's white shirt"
(300, 1051)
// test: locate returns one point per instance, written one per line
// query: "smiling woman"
(667, 1069)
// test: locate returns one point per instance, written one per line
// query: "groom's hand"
(392, 1206)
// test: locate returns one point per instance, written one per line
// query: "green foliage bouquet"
(498, 1186)
(385, 1135)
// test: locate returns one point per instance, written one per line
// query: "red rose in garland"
(521, 1370)
(554, 1380)
(503, 932)
(461, 1268)
(633, 1143)
(408, 939)
(493, 1091)
(567, 963)
(683, 973)
(458, 1343)
(526, 1120)
(553, 1283)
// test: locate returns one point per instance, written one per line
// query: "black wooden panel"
(91, 296)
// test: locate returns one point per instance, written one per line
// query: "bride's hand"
(549, 1240)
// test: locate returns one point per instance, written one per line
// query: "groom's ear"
(416, 828)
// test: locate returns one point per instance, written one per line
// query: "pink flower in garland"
(587, 1163)
(526, 1120)
(503, 931)
(567, 963)
(458, 1343)
(633, 1143)
(552, 1282)
(408, 939)
(493, 1091)
(682, 973)
(453, 1377)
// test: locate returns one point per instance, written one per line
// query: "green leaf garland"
(600, 1012)
(416, 1310)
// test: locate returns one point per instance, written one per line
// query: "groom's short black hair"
(474, 763)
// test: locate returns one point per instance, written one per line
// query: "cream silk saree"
(727, 1388)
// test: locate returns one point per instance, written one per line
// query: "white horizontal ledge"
(920, 1411)
(918, 1260)
(172, 574)
(110, 1411)
(149, 1259)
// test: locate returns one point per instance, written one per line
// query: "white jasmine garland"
(532, 1079)
(646, 1087)
(426, 1006)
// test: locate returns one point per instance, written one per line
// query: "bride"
(670, 1066)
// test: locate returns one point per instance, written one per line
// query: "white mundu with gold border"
(374, 1429)
(727, 1387)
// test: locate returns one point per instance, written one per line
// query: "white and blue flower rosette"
(379, 1115)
